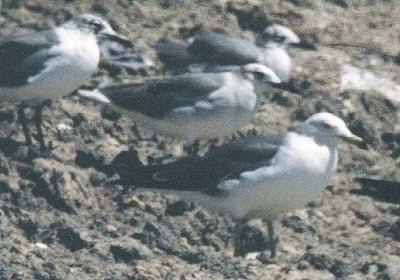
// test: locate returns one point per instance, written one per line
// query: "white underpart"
(300, 171)
(223, 112)
(279, 61)
(76, 59)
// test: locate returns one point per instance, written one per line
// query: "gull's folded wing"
(159, 97)
(205, 173)
(24, 56)
(218, 48)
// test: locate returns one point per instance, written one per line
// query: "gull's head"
(259, 73)
(328, 129)
(278, 35)
(99, 27)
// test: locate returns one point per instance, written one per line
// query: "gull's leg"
(137, 133)
(192, 147)
(237, 242)
(273, 241)
(24, 122)
(38, 123)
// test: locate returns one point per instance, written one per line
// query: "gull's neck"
(320, 139)
(271, 44)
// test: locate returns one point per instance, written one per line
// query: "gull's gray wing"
(203, 174)
(158, 97)
(24, 56)
(174, 53)
(218, 48)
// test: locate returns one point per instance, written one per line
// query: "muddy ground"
(65, 219)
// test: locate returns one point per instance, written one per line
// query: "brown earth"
(64, 219)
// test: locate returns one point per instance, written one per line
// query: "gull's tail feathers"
(174, 174)
(94, 95)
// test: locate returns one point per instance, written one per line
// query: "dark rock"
(392, 142)
(60, 185)
(4, 272)
(366, 130)
(90, 158)
(193, 256)
(66, 234)
(341, 3)
(9, 146)
(249, 16)
(394, 230)
(321, 261)
(100, 7)
(110, 114)
(101, 226)
(6, 115)
(29, 226)
(177, 208)
(8, 184)
(297, 224)
(78, 119)
(124, 163)
(254, 237)
(129, 250)
(367, 267)
(310, 107)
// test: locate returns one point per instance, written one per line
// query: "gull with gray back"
(194, 105)
(216, 52)
(49, 64)
(255, 177)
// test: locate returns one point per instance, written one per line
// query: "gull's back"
(218, 48)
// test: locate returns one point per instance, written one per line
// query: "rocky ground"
(64, 218)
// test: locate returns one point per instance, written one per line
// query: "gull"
(46, 65)
(193, 105)
(255, 177)
(219, 52)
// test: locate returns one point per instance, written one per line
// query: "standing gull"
(256, 177)
(194, 105)
(218, 52)
(46, 65)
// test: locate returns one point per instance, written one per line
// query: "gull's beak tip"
(358, 141)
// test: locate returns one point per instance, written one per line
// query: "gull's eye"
(279, 39)
(325, 125)
(258, 75)
(97, 26)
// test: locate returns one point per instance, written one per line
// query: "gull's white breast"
(75, 60)
(300, 171)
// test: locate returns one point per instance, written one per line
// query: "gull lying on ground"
(256, 177)
(191, 106)
(48, 64)
(219, 52)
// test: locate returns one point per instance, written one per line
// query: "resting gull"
(194, 105)
(217, 52)
(46, 65)
(256, 177)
